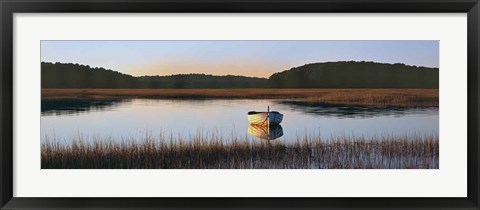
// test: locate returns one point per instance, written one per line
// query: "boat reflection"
(266, 132)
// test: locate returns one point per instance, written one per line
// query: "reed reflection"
(353, 111)
(75, 106)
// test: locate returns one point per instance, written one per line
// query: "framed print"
(239, 105)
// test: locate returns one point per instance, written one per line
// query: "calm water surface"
(118, 120)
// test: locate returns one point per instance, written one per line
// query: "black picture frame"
(9, 7)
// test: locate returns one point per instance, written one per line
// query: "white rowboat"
(265, 118)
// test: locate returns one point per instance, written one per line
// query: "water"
(120, 119)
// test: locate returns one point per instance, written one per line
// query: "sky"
(247, 58)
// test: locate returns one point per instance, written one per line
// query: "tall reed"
(213, 152)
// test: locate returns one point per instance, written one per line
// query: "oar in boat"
(268, 117)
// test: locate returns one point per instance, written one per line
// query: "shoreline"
(364, 97)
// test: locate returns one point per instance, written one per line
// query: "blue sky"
(249, 58)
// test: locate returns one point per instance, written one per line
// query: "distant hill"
(356, 75)
(68, 75)
(316, 75)
(201, 81)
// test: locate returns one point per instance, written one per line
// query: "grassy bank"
(201, 153)
(368, 97)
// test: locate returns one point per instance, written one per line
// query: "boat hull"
(265, 118)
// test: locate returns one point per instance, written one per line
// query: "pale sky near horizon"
(248, 58)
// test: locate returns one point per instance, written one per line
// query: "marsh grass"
(213, 152)
(372, 97)
(369, 97)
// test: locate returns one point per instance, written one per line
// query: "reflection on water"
(352, 111)
(266, 132)
(120, 119)
(75, 106)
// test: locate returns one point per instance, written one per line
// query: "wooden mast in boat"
(268, 122)
(268, 117)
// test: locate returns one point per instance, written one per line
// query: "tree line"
(316, 75)
(352, 74)
(69, 75)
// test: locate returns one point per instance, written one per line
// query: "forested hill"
(201, 81)
(356, 75)
(61, 75)
(316, 75)
(67, 75)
